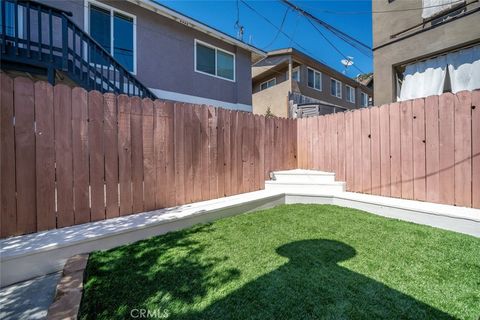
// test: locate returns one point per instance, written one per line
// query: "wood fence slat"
(188, 145)
(432, 150)
(63, 154)
(419, 164)
(260, 143)
(321, 143)
(357, 151)
(406, 148)
(349, 151)
(244, 149)
(220, 152)
(110, 136)
(227, 153)
(476, 149)
(327, 133)
(234, 151)
(375, 150)
(149, 172)
(340, 176)
(8, 207)
(45, 156)
(268, 149)
(366, 152)
(179, 153)
(160, 151)
(95, 139)
(251, 153)
(170, 159)
(334, 146)
(137, 154)
(395, 155)
(463, 149)
(81, 194)
(212, 156)
(204, 152)
(25, 155)
(197, 153)
(385, 172)
(125, 154)
(447, 155)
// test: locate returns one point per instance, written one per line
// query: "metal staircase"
(41, 39)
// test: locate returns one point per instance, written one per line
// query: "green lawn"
(290, 262)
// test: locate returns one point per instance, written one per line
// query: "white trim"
(111, 9)
(175, 96)
(189, 22)
(274, 83)
(216, 49)
(346, 93)
(336, 93)
(321, 82)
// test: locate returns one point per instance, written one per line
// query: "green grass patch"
(290, 262)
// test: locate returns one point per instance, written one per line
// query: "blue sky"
(222, 15)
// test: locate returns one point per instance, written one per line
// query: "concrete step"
(326, 188)
(303, 176)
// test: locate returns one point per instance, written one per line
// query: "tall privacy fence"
(69, 156)
(424, 149)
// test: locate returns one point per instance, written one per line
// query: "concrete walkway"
(29, 299)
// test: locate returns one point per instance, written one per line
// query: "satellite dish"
(347, 63)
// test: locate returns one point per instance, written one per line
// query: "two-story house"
(424, 48)
(288, 75)
(166, 53)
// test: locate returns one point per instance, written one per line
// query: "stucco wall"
(441, 38)
(274, 97)
(165, 55)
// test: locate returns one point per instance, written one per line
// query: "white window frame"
(321, 82)
(336, 93)
(354, 93)
(112, 10)
(362, 95)
(299, 76)
(216, 49)
(274, 83)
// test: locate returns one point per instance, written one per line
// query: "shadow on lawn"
(170, 272)
(312, 286)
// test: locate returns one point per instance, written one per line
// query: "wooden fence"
(69, 156)
(424, 149)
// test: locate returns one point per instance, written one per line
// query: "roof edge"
(195, 24)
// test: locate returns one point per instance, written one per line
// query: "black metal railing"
(45, 37)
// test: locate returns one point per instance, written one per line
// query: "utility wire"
(279, 29)
(362, 47)
(283, 32)
(379, 11)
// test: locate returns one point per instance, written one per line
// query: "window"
(214, 61)
(296, 74)
(433, 8)
(350, 94)
(10, 19)
(115, 32)
(336, 88)
(364, 99)
(314, 79)
(268, 84)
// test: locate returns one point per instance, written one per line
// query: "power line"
(379, 11)
(278, 31)
(281, 31)
(360, 46)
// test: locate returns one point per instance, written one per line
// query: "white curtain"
(464, 69)
(424, 78)
(433, 7)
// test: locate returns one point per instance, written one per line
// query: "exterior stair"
(305, 181)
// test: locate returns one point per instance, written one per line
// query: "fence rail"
(424, 149)
(69, 156)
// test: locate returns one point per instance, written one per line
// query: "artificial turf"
(290, 262)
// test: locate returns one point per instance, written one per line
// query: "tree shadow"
(161, 271)
(312, 285)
